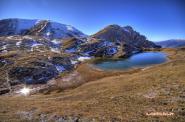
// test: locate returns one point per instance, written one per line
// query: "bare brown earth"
(151, 94)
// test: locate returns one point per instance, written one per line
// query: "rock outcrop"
(39, 73)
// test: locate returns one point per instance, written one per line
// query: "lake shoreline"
(89, 73)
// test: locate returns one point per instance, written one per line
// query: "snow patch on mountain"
(60, 68)
(70, 28)
(18, 43)
(125, 29)
(48, 33)
(55, 50)
(74, 62)
(35, 44)
(55, 41)
(4, 47)
(83, 58)
(63, 31)
(38, 21)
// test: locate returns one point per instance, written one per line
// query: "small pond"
(137, 60)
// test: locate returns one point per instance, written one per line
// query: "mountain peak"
(125, 35)
(44, 28)
(128, 28)
(113, 26)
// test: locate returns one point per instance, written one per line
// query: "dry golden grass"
(118, 96)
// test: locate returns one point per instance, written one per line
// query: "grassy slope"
(121, 97)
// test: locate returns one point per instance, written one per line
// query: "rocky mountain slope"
(173, 43)
(36, 51)
(127, 37)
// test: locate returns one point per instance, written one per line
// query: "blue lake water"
(138, 60)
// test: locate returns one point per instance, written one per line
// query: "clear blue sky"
(156, 19)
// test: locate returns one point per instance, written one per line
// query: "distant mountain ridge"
(44, 28)
(172, 43)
